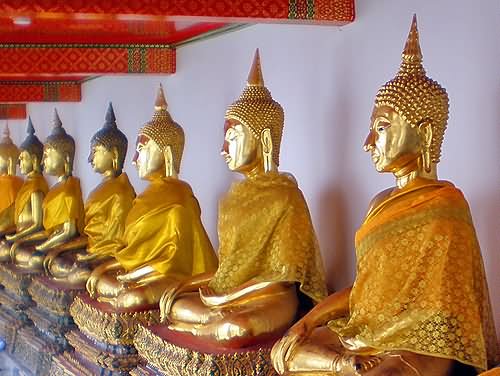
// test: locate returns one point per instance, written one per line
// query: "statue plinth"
(104, 342)
(14, 301)
(169, 352)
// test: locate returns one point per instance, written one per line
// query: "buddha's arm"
(136, 275)
(67, 231)
(189, 285)
(36, 218)
(245, 291)
(334, 306)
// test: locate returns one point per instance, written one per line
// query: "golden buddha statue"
(63, 213)
(9, 183)
(164, 240)
(106, 209)
(270, 264)
(419, 305)
(28, 214)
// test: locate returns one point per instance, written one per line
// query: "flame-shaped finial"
(412, 54)
(56, 122)
(6, 132)
(161, 102)
(255, 77)
(110, 117)
(30, 130)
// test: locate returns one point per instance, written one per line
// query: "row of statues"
(419, 304)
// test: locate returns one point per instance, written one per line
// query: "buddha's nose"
(369, 142)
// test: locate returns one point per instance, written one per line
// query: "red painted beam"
(84, 59)
(12, 111)
(40, 91)
(333, 11)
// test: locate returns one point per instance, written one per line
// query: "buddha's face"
(393, 143)
(53, 161)
(26, 162)
(240, 149)
(148, 159)
(4, 165)
(101, 159)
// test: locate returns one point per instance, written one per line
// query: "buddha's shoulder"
(379, 198)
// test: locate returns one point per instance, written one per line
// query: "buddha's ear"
(116, 158)
(267, 149)
(169, 161)
(67, 165)
(12, 166)
(425, 131)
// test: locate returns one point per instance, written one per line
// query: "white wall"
(326, 79)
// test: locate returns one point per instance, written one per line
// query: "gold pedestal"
(180, 354)
(104, 342)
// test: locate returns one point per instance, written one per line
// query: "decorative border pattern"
(10, 110)
(39, 91)
(174, 360)
(86, 59)
(338, 11)
(113, 328)
(52, 299)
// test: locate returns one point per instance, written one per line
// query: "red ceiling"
(47, 47)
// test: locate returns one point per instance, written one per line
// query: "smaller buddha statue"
(164, 240)
(28, 213)
(10, 184)
(106, 209)
(63, 212)
(419, 304)
(270, 264)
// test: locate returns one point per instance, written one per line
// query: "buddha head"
(108, 147)
(160, 144)
(8, 154)
(409, 117)
(253, 127)
(58, 150)
(30, 158)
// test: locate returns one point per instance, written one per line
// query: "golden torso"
(9, 187)
(164, 235)
(253, 292)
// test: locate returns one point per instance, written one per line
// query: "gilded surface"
(106, 209)
(274, 239)
(113, 328)
(62, 204)
(9, 188)
(420, 282)
(164, 231)
(53, 299)
(33, 183)
(174, 360)
(14, 280)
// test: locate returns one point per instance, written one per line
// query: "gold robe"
(36, 183)
(164, 230)
(106, 209)
(9, 188)
(266, 235)
(62, 204)
(420, 283)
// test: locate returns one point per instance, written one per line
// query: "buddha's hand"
(94, 279)
(11, 238)
(167, 301)
(48, 261)
(284, 348)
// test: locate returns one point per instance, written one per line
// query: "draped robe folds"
(164, 230)
(420, 283)
(62, 204)
(9, 188)
(266, 235)
(106, 210)
(32, 184)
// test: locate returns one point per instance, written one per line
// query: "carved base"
(180, 354)
(16, 281)
(94, 358)
(9, 328)
(103, 323)
(33, 352)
